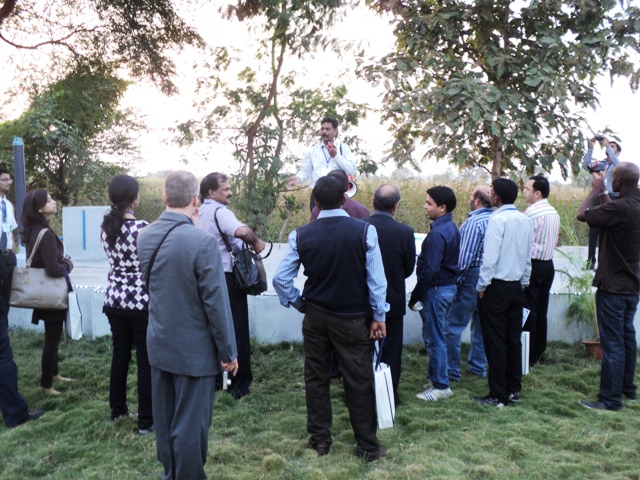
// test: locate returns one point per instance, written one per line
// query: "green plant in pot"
(578, 279)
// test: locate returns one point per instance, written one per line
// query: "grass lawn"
(548, 435)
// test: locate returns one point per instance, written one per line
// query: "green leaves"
(498, 83)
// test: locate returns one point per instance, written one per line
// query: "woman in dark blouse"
(126, 301)
(37, 208)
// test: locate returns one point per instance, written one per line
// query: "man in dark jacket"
(398, 249)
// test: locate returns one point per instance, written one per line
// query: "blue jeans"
(436, 302)
(618, 345)
(463, 309)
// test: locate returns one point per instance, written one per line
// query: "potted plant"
(578, 279)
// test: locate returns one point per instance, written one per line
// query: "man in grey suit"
(190, 335)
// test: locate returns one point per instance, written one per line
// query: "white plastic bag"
(385, 401)
(73, 323)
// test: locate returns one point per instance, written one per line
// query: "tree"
(135, 34)
(501, 84)
(67, 128)
(262, 112)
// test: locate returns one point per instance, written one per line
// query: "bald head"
(480, 197)
(624, 177)
(386, 198)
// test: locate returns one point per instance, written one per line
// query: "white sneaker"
(433, 394)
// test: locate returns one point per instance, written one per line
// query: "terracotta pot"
(593, 348)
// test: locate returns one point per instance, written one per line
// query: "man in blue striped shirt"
(465, 306)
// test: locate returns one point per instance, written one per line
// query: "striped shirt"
(472, 240)
(546, 223)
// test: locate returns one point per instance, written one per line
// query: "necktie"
(3, 238)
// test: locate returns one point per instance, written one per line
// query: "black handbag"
(247, 266)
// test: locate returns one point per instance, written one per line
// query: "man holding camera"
(612, 150)
(617, 279)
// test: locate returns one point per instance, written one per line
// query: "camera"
(597, 166)
(226, 383)
(599, 138)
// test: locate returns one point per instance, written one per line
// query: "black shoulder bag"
(247, 266)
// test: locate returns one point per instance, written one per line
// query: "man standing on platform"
(505, 271)
(398, 249)
(617, 279)
(216, 218)
(546, 223)
(339, 291)
(464, 308)
(325, 156)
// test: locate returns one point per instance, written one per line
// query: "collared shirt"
(619, 253)
(228, 224)
(437, 263)
(586, 161)
(507, 248)
(376, 281)
(472, 240)
(546, 225)
(9, 224)
(317, 162)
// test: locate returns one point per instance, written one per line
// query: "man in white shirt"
(505, 271)
(9, 223)
(546, 223)
(324, 157)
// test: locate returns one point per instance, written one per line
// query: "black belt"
(6, 251)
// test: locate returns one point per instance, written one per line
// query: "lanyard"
(327, 157)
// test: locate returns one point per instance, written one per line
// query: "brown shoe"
(371, 457)
(320, 448)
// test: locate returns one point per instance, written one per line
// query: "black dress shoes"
(320, 448)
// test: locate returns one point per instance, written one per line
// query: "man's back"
(187, 298)
(619, 258)
(398, 250)
(336, 280)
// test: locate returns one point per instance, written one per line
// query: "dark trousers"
(52, 335)
(182, 409)
(594, 235)
(350, 340)
(14, 408)
(392, 354)
(501, 322)
(127, 332)
(619, 348)
(240, 313)
(536, 299)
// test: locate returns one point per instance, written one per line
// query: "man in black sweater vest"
(345, 279)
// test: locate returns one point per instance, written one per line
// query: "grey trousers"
(182, 409)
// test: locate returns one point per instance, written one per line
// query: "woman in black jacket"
(38, 207)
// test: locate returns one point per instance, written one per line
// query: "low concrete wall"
(269, 321)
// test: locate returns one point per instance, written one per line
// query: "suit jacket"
(398, 249)
(190, 324)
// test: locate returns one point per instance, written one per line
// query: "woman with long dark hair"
(126, 300)
(37, 209)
